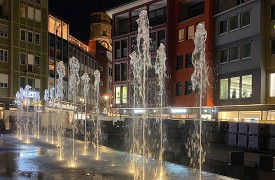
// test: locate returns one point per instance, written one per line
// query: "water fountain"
(60, 96)
(19, 103)
(199, 79)
(47, 98)
(73, 89)
(95, 118)
(85, 78)
(27, 104)
(36, 119)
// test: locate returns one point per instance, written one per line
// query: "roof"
(126, 6)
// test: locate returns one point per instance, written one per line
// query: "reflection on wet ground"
(39, 161)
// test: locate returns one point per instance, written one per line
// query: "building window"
(246, 50)
(37, 60)
(117, 95)
(154, 43)
(117, 72)
(223, 55)
(190, 32)
(30, 13)
(190, 9)
(117, 50)
(23, 58)
(23, 11)
(124, 95)
(223, 26)
(235, 87)
(224, 89)
(161, 37)
(272, 14)
(188, 87)
(4, 80)
(179, 89)
(31, 82)
(37, 15)
(37, 38)
(188, 60)
(3, 55)
(179, 62)
(272, 85)
(37, 1)
(22, 34)
(247, 86)
(233, 23)
(124, 71)
(181, 35)
(245, 18)
(234, 53)
(272, 46)
(37, 84)
(30, 36)
(22, 82)
(124, 48)
(104, 32)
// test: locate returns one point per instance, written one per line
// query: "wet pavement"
(39, 160)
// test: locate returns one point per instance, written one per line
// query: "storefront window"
(124, 95)
(117, 95)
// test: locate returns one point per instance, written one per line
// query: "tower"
(101, 28)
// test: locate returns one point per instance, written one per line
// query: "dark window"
(134, 44)
(234, 53)
(117, 50)
(245, 18)
(161, 37)
(22, 82)
(223, 26)
(31, 82)
(154, 44)
(37, 61)
(23, 58)
(134, 25)
(188, 60)
(188, 87)
(233, 22)
(157, 16)
(272, 12)
(124, 48)
(37, 38)
(23, 35)
(117, 72)
(124, 71)
(223, 55)
(179, 62)
(272, 46)
(30, 36)
(246, 50)
(179, 89)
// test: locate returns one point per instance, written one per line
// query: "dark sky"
(77, 13)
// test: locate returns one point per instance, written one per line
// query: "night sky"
(77, 13)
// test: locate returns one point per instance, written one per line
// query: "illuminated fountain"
(27, 104)
(20, 110)
(60, 96)
(74, 81)
(86, 80)
(36, 119)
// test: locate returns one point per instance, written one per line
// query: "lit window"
(224, 89)
(246, 50)
(124, 95)
(181, 35)
(37, 15)
(235, 87)
(37, 84)
(30, 13)
(4, 80)
(245, 18)
(247, 86)
(179, 89)
(23, 11)
(22, 34)
(190, 32)
(272, 85)
(117, 95)
(223, 26)
(233, 23)
(223, 55)
(234, 53)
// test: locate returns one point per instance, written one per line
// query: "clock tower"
(101, 28)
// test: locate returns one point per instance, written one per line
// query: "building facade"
(23, 49)
(241, 60)
(124, 34)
